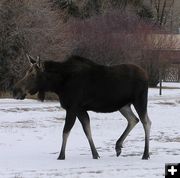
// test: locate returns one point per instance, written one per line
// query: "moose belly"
(107, 99)
(105, 104)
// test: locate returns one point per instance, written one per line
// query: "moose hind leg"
(85, 121)
(141, 108)
(69, 122)
(132, 121)
(147, 126)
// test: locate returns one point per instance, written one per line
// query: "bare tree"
(111, 38)
(163, 9)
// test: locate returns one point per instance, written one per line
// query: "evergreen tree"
(12, 44)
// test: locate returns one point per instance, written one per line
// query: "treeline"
(106, 31)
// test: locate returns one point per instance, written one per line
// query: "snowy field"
(30, 140)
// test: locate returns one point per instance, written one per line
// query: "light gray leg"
(132, 121)
(147, 126)
(69, 122)
(84, 119)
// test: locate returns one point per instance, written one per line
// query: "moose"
(83, 85)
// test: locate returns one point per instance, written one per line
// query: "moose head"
(30, 83)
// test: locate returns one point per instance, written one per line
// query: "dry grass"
(49, 96)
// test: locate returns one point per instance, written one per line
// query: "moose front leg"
(69, 122)
(84, 119)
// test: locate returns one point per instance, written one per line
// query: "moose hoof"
(118, 151)
(61, 157)
(96, 156)
(146, 157)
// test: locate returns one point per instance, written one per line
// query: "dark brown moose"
(82, 86)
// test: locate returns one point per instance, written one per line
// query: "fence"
(172, 73)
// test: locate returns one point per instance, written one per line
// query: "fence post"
(160, 81)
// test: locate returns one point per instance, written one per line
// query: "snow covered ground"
(30, 140)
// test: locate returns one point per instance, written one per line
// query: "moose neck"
(51, 82)
(51, 77)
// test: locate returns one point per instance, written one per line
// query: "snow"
(30, 140)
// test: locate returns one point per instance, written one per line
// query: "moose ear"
(39, 63)
(31, 60)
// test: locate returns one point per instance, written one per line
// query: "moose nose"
(18, 94)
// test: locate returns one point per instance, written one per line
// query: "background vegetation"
(107, 31)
